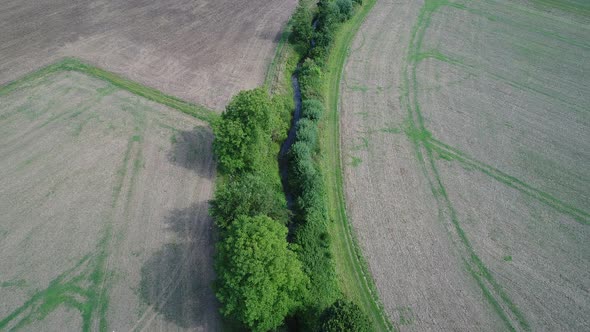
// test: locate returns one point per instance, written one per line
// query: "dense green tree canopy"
(302, 30)
(243, 131)
(260, 280)
(249, 195)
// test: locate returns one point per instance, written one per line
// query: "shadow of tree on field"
(177, 279)
(191, 224)
(274, 36)
(192, 150)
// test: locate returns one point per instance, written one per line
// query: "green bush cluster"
(301, 30)
(246, 131)
(312, 109)
(248, 195)
(345, 316)
(311, 232)
(310, 80)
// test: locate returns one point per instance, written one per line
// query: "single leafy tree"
(302, 30)
(345, 8)
(260, 280)
(344, 316)
(243, 131)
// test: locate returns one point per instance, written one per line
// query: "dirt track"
(202, 51)
(465, 148)
(103, 210)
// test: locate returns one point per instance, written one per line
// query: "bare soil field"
(466, 148)
(202, 51)
(103, 210)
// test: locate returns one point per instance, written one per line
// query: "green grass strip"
(354, 277)
(71, 64)
(272, 66)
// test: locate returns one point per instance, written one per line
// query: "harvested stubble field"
(466, 150)
(103, 210)
(202, 51)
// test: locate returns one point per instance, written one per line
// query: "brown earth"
(465, 135)
(103, 210)
(202, 51)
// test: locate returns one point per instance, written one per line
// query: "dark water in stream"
(283, 157)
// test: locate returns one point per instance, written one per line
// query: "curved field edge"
(493, 292)
(355, 279)
(425, 147)
(73, 64)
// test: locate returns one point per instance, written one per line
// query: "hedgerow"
(307, 185)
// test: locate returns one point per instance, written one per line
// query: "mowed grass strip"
(354, 277)
(72, 64)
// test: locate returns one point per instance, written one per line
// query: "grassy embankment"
(355, 279)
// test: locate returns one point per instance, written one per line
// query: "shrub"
(307, 132)
(345, 316)
(312, 109)
(313, 239)
(301, 31)
(345, 9)
(230, 145)
(280, 117)
(249, 195)
(328, 15)
(310, 80)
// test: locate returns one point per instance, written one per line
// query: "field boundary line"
(73, 64)
(444, 149)
(483, 70)
(354, 262)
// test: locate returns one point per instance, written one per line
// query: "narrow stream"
(283, 158)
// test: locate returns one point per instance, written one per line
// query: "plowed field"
(466, 149)
(103, 210)
(201, 51)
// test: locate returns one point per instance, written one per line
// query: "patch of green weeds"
(363, 145)
(19, 283)
(358, 88)
(356, 161)
(391, 130)
(406, 316)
